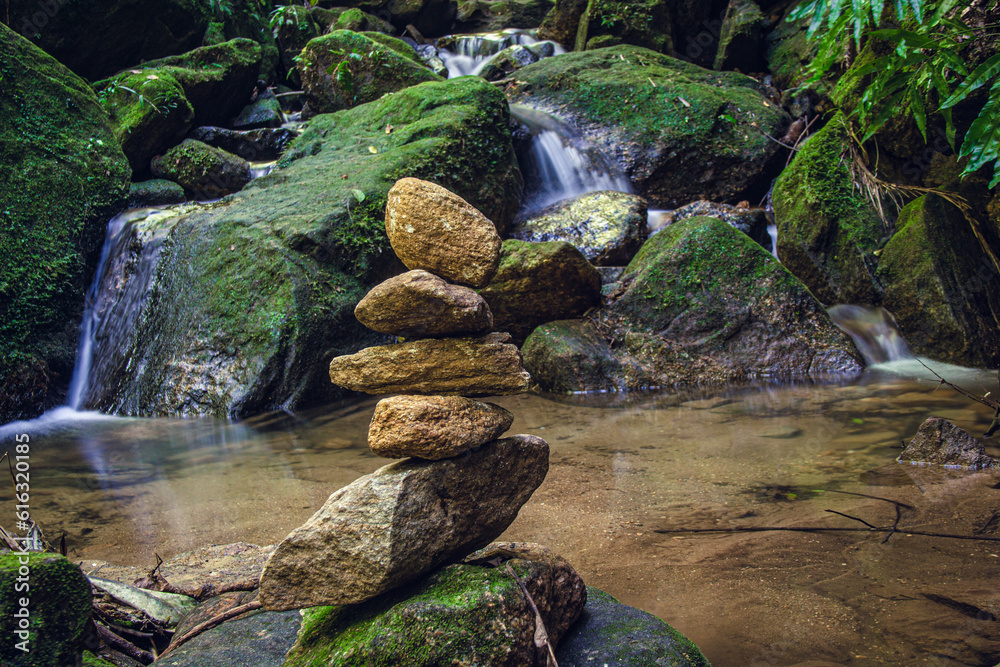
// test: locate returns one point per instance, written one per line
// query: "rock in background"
(700, 303)
(939, 442)
(692, 133)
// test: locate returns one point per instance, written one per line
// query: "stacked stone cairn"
(462, 485)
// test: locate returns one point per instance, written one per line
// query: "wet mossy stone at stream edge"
(691, 133)
(942, 289)
(58, 610)
(64, 175)
(344, 69)
(700, 303)
(472, 613)
(828, 232)
(252, 297)
(611, 633)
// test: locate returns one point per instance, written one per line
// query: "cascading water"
(92, 313)
(560, 163)
(874, 333)
(471, 52)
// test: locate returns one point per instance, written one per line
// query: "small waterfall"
(471, 52)
(874, 333)
(92, 313)
(561, 164)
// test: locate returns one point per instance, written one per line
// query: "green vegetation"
(918, 63)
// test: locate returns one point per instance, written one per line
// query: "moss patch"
(667, 134)
(59, 607)
(827, 231)
(343, 69)
(64, 176)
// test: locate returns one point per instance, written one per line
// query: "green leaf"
(919, 113)
(982, 141)
(358, 194)
(979, 77)
(889, 107)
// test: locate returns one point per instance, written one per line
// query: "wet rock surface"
(434, 427)
(419, 304)
(395, 525)
(939, 442)
(484, 366)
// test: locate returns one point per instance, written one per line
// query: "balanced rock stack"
(464, 486)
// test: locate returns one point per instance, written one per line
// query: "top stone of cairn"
(435, 230)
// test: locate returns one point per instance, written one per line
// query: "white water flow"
(92, 314)
(471, 52)
(874, 333)
(772, 231)
(560, 163)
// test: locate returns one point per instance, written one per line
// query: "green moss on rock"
(693, 133)
(149, 111)
(206, 171)
(252, 298)
(538, 283)
(646, 23)
(702, 303)
(940, 286)
(58, 609)
(828, 232)
(343, 69)
(64, 175)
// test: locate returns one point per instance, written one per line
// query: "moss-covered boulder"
(45, 604)
(64, 175)
(828, 232)
(96, 38)
(218, 80)
(607, 227)
(494, 15)
(155, 192)
(149, 111)
(789, 53)
(358, 21)
(538, 283)
(941, 286)
(750, 221)
(611, 633)
(692, 133)
(741, 40)
(606, 22)
(204, 171)
(507, 62)
(472, 613)
(251, 299)
(701, 302)
(562, 22)
(294, 26)
(344, 69)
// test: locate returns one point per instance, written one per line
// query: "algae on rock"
(64, 175)
(828, 232)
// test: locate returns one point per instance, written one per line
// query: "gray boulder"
(939, 442)
(393, 526)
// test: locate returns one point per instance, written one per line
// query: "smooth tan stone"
(433, 229)
(482, 366)
(434, 427)
(418, 303)
(402, 521)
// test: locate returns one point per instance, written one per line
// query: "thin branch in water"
(211, 623)
(853, 518)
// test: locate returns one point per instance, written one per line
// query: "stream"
(624, 468)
